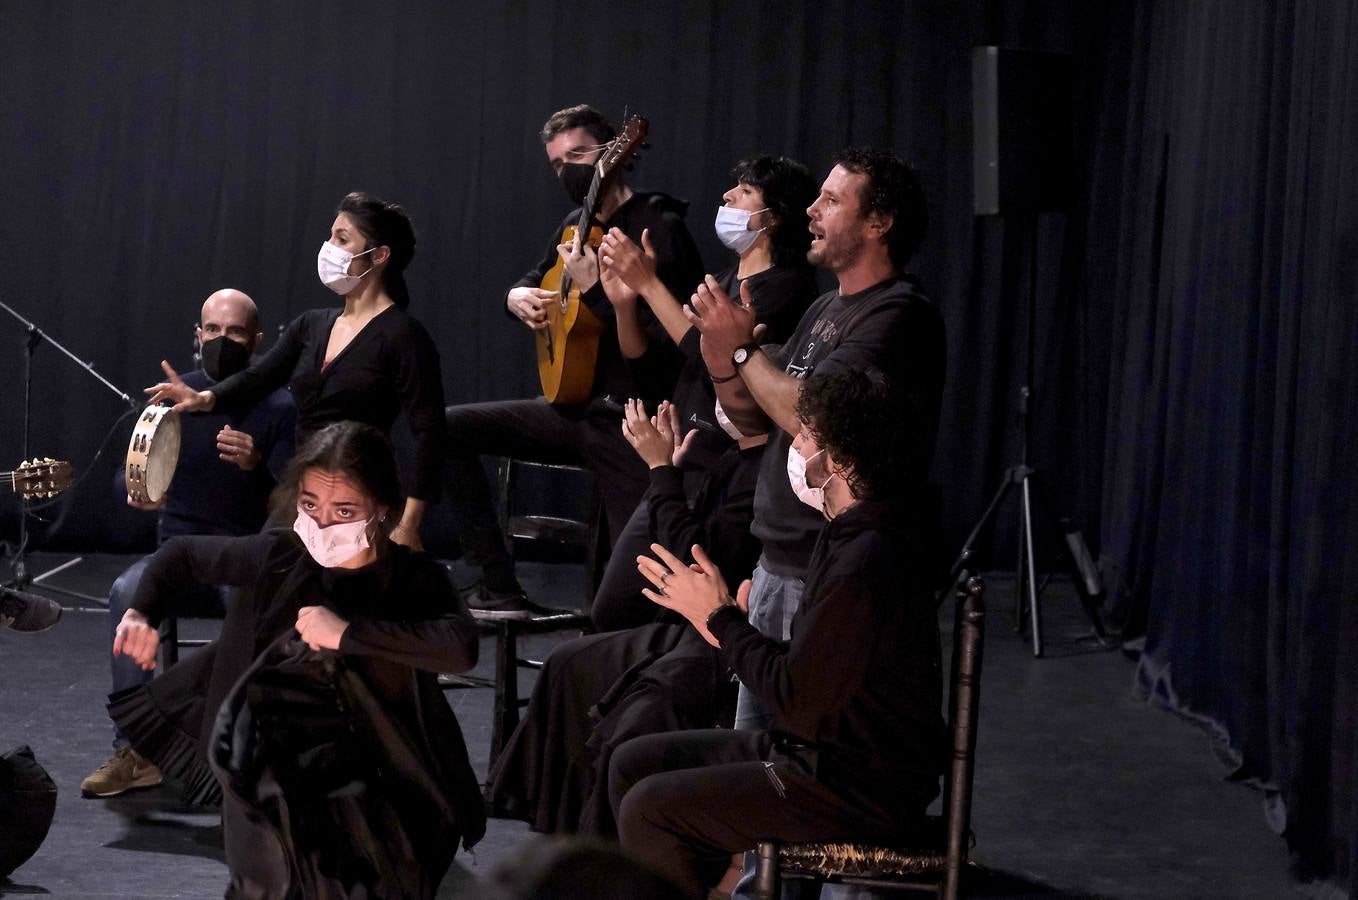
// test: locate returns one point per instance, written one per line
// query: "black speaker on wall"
(1022, 130)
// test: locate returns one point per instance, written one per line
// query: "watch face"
(741, 354)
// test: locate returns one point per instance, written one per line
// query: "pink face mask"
(334, 545)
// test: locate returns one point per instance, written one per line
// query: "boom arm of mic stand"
(36, 336)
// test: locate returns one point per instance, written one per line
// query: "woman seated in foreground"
(316, 718)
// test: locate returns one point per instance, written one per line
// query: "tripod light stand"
(1021, 475)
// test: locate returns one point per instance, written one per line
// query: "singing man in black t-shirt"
(866, 224)
(587, 434)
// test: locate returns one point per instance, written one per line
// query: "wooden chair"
(935, 865)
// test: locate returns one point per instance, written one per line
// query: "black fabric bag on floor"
(28, 800)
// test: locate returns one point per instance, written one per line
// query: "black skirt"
(593, 694)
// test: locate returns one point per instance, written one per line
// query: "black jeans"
(535, 430)
(686, 801)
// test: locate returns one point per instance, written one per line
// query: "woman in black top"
(340, 766)
(763, 219)
(361, 363)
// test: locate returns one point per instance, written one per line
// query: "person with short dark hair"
(364, 362)
(857, 742)
(316, 717)
(585, 433)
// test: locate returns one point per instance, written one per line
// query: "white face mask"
(336, 544)
(332, 265)
(726, 424)
(733, 227)
(813, 497)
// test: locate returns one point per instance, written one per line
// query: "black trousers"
(686, 801)
(535, 430)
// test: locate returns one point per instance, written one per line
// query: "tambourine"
(152, 454)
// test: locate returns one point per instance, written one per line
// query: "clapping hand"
(634, 265)
(656, 439)
(695, 592)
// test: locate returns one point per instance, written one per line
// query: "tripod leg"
(1020, 571)
(1026, 547)
(961, 567)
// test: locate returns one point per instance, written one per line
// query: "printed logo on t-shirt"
(825, 329)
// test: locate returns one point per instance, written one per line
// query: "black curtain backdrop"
(1221, 257)
(1195, 324)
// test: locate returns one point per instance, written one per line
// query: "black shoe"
(27, 612)
(487, 604)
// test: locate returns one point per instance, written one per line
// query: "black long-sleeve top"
(390, 366)
(677, 264)
(401, 609)
(861, 679)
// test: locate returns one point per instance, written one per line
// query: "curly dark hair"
(356, 450)
(581, 116)
(387, 225)
(869, 426)
(892, 189)
(788, 190)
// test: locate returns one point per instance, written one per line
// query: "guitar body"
(568, 347)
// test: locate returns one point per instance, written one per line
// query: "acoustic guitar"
(38, 479)
(569, 346)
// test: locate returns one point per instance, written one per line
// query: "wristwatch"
(742, 354)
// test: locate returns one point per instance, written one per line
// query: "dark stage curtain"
(1222, 257)
(1195, 329)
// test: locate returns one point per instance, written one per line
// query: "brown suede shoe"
(125, 770)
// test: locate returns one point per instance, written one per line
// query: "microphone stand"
(20, 581)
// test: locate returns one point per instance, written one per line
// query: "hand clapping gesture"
(723, 323)
(623, 259)
(695, 592)
(656, 439)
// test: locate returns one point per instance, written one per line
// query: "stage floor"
(1081, 789)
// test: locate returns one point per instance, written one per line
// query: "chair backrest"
(964, 698)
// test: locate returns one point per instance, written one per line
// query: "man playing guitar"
(587, 432)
